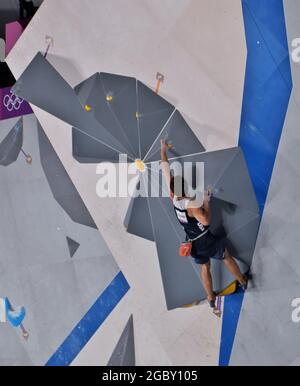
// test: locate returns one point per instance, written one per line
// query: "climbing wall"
(203, 79)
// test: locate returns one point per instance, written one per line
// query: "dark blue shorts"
(211, 247)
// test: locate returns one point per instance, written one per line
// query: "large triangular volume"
(181, 138)
(121, 94)
(153, 114)
(95, 98)
(60, 183)
(43, 86)
(235, 186)
(138, 221)
(227, 173)
(124, 352)
(11, 145)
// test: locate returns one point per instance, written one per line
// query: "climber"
(196, 221)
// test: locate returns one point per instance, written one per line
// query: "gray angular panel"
(243, 241)
(88, 151)
(227, 173)
(180, 135)
(84, 89)
(238, 225)
(61, 185)
(11, 145)
(128, 214)
(73, 246)
(124, 353)
(215, 163)
(153, 114)
(96, 98)
(43, 86)
(235, 185)
(138, 219)
(124, 105)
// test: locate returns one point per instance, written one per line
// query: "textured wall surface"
(37, 270)
(266, 334)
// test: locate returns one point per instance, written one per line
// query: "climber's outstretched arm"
(165, 162)
(203, 214)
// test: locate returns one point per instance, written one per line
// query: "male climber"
(196, 221)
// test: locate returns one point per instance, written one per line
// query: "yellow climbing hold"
(29, 159)
(196, 303)
(140, 165)
(88, 108)
(109, 98)
(231, 289)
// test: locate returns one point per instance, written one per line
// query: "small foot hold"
(29, 160)
(25, 335)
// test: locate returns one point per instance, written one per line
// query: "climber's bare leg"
(208, 286)
(234, 269)
(207, 281)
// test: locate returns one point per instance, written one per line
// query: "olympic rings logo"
(12, 102)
